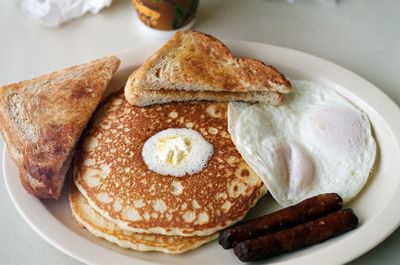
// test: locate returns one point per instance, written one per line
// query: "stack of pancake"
(116, 196)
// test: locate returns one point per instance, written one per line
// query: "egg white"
(315, 142)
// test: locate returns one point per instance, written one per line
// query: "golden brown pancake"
(95, 223)
(111, 174)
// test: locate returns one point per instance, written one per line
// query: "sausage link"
(308, 209)
(297, 237)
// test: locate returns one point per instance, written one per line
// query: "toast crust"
(149, 97)
(194, 61)
(42, 119)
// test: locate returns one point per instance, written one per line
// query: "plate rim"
(75, 252)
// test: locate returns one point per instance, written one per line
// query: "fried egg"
(315, 142)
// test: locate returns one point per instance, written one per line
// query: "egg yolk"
(337, 129)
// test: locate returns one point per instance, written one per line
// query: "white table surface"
(362, 36)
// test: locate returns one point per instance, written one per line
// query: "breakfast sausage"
(297, 237)
(306, 210)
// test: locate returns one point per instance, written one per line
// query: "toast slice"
(42, 119)
(203, 67)
(149, 97)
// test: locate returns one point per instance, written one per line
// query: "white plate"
(376, 206)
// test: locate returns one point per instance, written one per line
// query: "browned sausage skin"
(306, 210)
(297, 237)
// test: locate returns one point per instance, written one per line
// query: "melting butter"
(177, 152)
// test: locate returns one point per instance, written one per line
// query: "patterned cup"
(166, 14)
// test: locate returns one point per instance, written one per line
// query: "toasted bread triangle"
(194, 61)
(150, 97)
(42, 119)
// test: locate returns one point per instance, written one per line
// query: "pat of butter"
(173, 149)
(177, 152)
